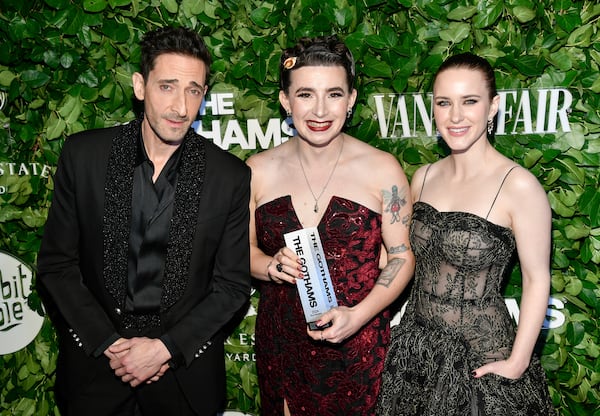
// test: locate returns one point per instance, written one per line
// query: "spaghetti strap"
(423, 184)
(498, 193)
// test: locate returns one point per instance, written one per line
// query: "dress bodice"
(350, 234)
(462, 260)
(321, 378)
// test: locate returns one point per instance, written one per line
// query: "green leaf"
(568, 20)
(73, 18)
(532, 157)
(524, 14)
(559, 207)
(456, 32)
(575, 332)
(377, 42)
(71, 109)
(573, 287)
(376, 68)
(192, 7)
(487, 13)
(170, 5)
(573, 170)
(118, 32)
(66, 60)
(590, 294)
(259, 16)
(57, 4)
(462, 12)
(575, 232)
(34, 78)
(6, 77)
(88, 78)
(94, 6)
(581, 36)
(589, 203)
(54, 127)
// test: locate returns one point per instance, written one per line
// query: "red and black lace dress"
(319, 378)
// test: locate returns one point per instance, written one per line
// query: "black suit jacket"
(82, 262)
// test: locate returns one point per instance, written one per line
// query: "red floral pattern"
(319, 378)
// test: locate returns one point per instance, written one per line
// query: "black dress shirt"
(152, 209)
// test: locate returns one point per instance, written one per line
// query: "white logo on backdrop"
(3, 100)
(19, 324)
(226, 133)
(521, 111)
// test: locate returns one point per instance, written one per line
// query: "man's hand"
(111, 355)
(138, 360)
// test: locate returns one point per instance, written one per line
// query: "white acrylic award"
(315, 289)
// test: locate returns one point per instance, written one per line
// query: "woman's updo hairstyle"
(473, 62)
(318, 51)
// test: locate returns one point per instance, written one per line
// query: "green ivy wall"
(65, 66)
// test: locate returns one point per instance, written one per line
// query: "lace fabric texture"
(456, 320)
(320, 378)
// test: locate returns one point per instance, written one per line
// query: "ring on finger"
(279, 267)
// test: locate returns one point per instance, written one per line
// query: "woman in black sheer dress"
(455, 351)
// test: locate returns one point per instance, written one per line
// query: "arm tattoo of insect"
(389, 272)
(394, 201)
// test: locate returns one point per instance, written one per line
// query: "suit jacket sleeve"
(63, 249)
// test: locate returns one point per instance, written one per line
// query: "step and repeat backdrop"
(66, 66)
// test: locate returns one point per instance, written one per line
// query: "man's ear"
(138, 85)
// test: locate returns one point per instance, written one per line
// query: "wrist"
(519, 364)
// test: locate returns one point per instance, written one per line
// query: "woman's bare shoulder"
(270, 158)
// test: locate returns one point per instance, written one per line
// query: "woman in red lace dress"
(358, 198)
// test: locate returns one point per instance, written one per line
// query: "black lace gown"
(456, 320)
(320, 378)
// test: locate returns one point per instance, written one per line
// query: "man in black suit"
(145, 254)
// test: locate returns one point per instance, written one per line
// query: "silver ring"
(322, 339)
(279, 267)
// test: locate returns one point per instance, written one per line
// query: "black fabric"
(117, 220)
(152, 209)
(456, 320)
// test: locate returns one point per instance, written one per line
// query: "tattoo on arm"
(406, 220)
(398, 249)
(389, 272)
(394, 201)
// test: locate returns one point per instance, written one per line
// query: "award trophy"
(316, 290)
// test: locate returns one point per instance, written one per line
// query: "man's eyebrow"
(176, 81)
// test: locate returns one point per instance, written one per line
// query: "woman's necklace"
(316, 198)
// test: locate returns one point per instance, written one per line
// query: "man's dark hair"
(176, 40)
